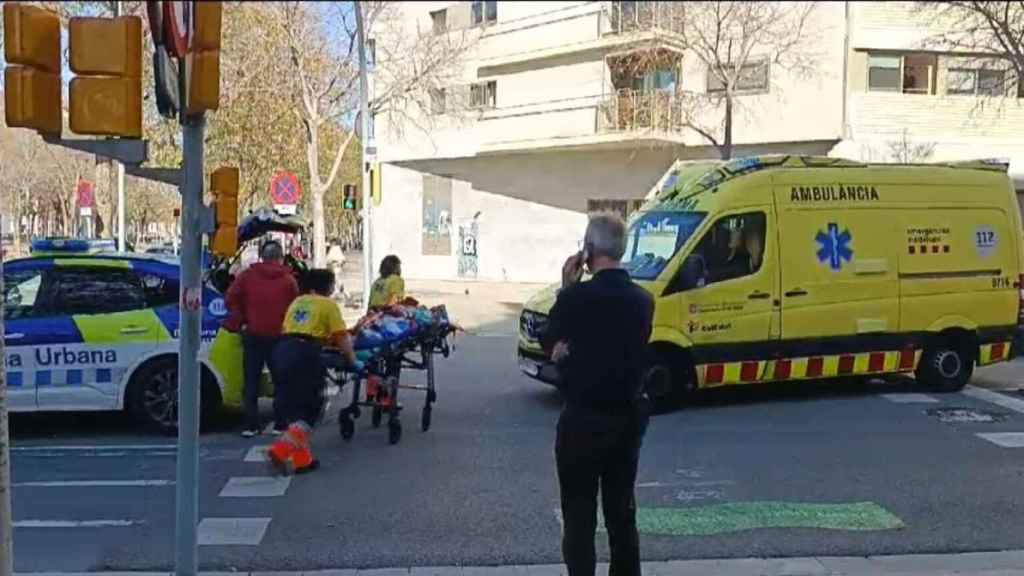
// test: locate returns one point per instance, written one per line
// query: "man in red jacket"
(257, 301)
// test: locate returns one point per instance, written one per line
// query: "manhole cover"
(965, 415)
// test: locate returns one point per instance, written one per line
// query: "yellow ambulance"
(779, 268)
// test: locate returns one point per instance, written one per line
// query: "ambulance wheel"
(152, 395)
(946, 365)
(375, 416)
(347, 427)
(394, 431)
(669, 378)
(425, 417)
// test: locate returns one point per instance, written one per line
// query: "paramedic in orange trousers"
(598, 335)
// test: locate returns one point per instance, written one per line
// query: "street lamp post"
(364, 116)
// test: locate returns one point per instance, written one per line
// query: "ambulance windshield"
(654, 237)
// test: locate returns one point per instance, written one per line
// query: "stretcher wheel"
(394, 431)
(347, 428)
(425, 417)
(376, 416)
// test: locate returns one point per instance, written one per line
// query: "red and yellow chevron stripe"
(992, 353)
(750, 371)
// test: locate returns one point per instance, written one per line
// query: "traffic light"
(204, 59)
(224, 185)
(32, 87)
(349, 195)
(106, 97)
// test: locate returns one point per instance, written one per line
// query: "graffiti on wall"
(469, 232)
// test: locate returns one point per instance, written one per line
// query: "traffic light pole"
(192, 210)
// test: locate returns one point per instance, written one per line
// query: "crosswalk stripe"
(1008, 402)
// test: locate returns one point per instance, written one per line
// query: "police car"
(89, 331)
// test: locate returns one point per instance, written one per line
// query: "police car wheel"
(945, 366)
(153, 395)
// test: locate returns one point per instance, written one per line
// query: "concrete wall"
(517, 241)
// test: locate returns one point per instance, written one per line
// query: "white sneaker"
(247, 433)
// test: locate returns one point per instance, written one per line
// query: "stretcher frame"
(414, 353)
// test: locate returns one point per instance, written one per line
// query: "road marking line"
(98, 454)
(1004, 439)
(76, 523)
(95, 484)
(996, 398)
(232, 531)
(256, 454)
(256, 486)
(94, 448)
(910, 398)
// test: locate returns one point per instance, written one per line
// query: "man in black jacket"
(598, 335)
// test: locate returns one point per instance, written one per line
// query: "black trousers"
(257, 352)
(592, 452)
(298, 367)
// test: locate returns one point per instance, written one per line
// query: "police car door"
(107, 306)
(26, 326)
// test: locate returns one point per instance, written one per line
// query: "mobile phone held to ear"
(581, 260)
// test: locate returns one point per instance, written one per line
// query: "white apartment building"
(562, 123)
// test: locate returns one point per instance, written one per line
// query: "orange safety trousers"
(291, 452)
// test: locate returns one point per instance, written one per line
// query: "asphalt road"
(817, 469)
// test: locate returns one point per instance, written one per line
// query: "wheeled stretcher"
(401, 338)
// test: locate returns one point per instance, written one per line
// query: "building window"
(485, 12)
(753, 77)
(440, 21)
(483, 95)
(624, 208)
(975, 82)
(437, 100)
(909, 73)
(656, 80)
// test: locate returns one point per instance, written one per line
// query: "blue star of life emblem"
(301, 316)
(834, 246)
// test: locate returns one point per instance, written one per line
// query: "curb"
(1006, 563)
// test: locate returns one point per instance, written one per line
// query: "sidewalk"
(1009, 563)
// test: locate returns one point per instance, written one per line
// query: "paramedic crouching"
(598, 336)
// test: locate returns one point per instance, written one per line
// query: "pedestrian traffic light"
(106, 96)
(32, 87)
(204, 59)
(349, 194)
(224, 186)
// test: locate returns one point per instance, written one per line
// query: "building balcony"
(593, 122)
(658, 112)
(623, 17)
(586, 32)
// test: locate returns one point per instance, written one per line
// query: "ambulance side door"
(731, 314)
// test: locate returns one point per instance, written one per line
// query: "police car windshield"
(654, 237)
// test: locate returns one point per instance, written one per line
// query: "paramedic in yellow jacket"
(312, 322)
(389, 289)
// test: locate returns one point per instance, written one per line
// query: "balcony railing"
(641, 110)
(625, 17)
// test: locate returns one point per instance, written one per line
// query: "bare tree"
(410, 64)
(738, 43)
(979, 28)
(905, 151)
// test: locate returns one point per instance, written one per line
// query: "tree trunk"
(317, 190)
(726, 148)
